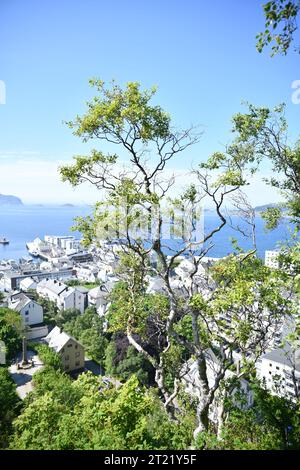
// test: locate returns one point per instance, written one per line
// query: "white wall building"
(58, 240)
(271, 259)
(87, 273)
(99, 298)
(65, 297)
(30, 311)
(280, 372)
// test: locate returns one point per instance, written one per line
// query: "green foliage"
(138, 309)
(101, 417)
(66, 315)
(10, 405)
(272, 216)
(280, 26)
(116, 109)
(272, 423)
(280, 415)
(119, 116)
(241, 282)
(130, 364)
(88, 329)
(261, 135)
(54, 380)
(242, 431)
(50, 310)
(87, 285)
(85, 164)
(10, 331)
(48, 356)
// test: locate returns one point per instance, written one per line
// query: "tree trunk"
(160, 381)
(202, 417)
(221, 417)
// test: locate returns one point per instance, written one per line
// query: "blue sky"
(201, 55)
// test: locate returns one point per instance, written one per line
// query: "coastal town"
(61, 271)
(149, 231)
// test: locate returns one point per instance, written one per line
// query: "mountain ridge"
(8, 199)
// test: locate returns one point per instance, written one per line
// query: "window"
(77, 354)
(76, 346)
(67, 358)
(67, 367)
(270, 364)
(69, 345)
(277, 368)
(27, 312)
(77, 363)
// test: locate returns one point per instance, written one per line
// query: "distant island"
(10, 200)
(67, 205)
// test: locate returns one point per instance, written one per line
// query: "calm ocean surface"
(21, 224)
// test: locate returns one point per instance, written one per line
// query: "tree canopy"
(280, 26)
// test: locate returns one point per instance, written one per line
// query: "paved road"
(23, 378)
(92, 366)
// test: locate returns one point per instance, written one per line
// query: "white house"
(271, 259)
(280, 372)
(87, 273)
(65, 297)
(27, 284)
(98, 298)
(30, 311)
(59, 241)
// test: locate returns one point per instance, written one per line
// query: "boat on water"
(4, 241)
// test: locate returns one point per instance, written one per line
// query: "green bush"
(48, 356)
(10, 405)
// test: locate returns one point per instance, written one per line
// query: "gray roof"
(285, 356)
(99, 291)
(57, 339)
(19, 301)
(82, 289)
(56, 287)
